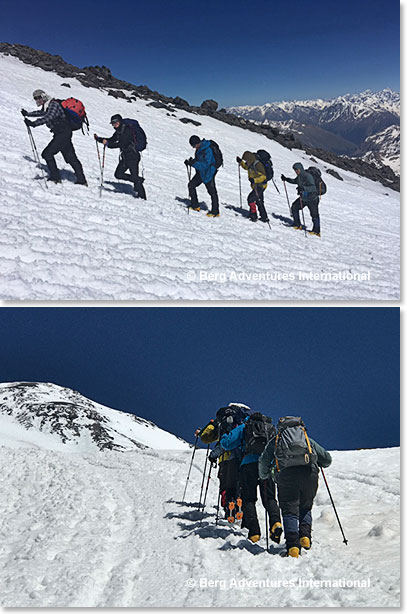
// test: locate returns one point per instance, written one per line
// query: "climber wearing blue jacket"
(251, 437)
(204, 164)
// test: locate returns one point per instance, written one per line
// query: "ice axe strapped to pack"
(292, 444)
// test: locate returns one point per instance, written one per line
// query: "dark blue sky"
(336, 367)
(237, 52)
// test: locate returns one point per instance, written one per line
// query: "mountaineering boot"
(294, 552)
(254, 538)
(264, 219)
(210, 214)
(275, 532)
(194, 208)
(81, 182)
(54, 179)
(317, 234)
(300, 227)
(305, 543)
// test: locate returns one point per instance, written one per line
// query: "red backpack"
(75, 113)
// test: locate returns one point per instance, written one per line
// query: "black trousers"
(211, 189)
(62, 142)
(131, 163)
(313, 207)
(297, 487)
(256, 197)
(229, 480)
(249, 481)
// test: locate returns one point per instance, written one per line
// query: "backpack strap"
(307, 440)
(275, 450)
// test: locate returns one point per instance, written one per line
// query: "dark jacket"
(123, 139)
(266, 460)
(53, 115)
(306, 184)
(205, 161)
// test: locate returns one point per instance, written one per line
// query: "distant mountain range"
(365, 125)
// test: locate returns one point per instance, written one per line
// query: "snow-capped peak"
(50, 416)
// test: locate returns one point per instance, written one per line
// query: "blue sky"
(336, 367)
(236, 52)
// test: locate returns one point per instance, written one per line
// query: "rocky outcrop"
(102, 78)
(209, 105)
(331, 171)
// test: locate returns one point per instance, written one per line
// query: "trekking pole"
(203, 477)
(240, 186)
(35, 153)
(345, 541)
(267, 532)
(288, 202)
(189, 179)
(206, 490)
(217, 509)
(102, 169)
(275, 185)
(190, 467)
(303, 218)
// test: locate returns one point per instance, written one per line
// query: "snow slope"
(109, 529)
(57, 418)
(65, 243)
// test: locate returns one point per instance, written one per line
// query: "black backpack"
(265, 158)
(319, 182)
(139, 136)
(258, 431)
(217, 154)
(292, 445)
(231, 416)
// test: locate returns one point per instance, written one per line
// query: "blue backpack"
(139, 136)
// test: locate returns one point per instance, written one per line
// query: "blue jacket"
(235, 439)
(205, 161)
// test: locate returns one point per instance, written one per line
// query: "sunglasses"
(37, 97)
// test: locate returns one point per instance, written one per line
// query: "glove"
(24, 112)
(283, 178)
(28, 122)
(299, 191)
(186, 162)
(238, 160)
(213, 459)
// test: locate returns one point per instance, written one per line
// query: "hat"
(116, 118)
(40, 94)
(298, 166)
(194, 140)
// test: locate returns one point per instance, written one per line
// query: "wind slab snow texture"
(110, 530)
(66, 243)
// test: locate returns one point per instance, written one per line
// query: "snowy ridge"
(66, 243)
(110, 530)
(57, 418)
(355, 105)
(366, 122)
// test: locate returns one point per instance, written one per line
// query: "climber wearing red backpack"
(54, 116)
(130, 138)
